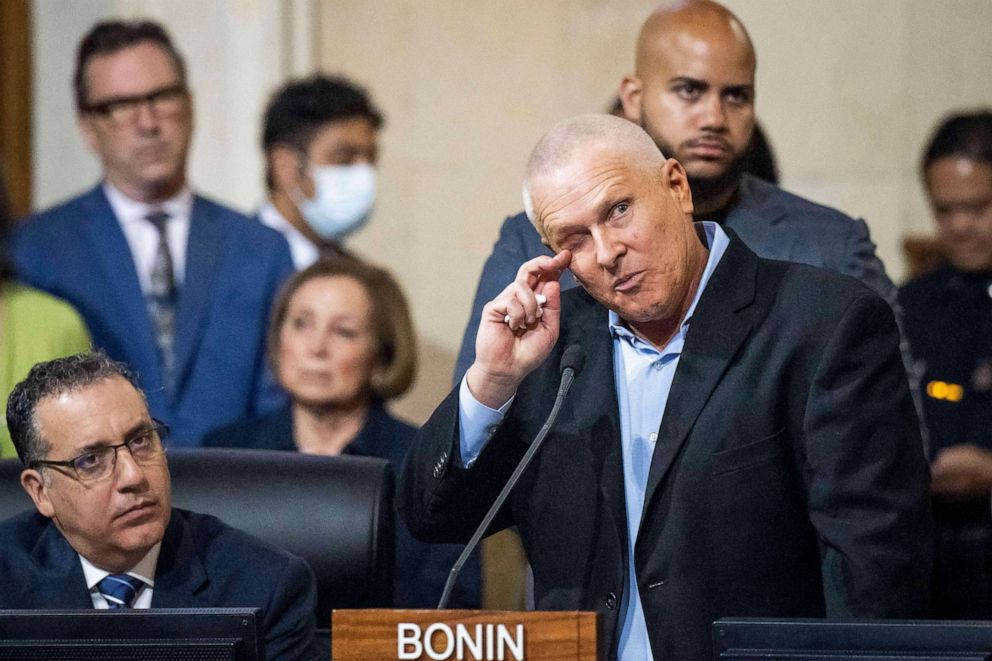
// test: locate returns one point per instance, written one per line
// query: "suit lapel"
(593, 393)
(203, 252)
(179, 574)
(61, 583)
(126, 310)
(716, 331)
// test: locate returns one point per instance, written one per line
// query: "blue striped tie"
(119, 590)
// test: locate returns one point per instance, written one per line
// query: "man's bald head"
(573, 138)
(693, 92)
(694, 22)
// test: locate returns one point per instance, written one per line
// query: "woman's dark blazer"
(421, 569)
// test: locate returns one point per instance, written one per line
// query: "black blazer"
(788, 477)
(421, 569)
(202, 563)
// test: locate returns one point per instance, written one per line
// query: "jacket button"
(611, 601)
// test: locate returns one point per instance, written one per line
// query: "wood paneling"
(373, 634)
(15, 102)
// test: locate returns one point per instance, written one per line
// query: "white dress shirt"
(303, 250)
(144, 571)
(142, 237)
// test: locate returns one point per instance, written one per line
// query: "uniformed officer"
(948, 320)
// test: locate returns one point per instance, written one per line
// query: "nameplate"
(462, 635)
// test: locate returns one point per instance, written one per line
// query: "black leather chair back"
(334, 512)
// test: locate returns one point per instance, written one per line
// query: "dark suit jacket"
(234, 266)
(773, 223)
(788, 477)
(202, 563)
(421, 569)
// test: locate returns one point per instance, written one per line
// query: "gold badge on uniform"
(944, 391)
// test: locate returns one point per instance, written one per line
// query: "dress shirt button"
(611, 601)
(653, 437)
(657, 365)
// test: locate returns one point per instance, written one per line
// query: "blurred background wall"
(847, 91)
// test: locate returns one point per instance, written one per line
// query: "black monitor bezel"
(736, 638)
(174, 626)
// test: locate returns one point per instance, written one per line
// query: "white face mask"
(343, 199)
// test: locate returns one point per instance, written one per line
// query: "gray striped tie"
(161, 298)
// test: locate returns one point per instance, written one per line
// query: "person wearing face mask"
(320, 141)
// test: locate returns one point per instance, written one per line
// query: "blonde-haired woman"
(341, 342)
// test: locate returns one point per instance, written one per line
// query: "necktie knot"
(158, 218)
(119, 590)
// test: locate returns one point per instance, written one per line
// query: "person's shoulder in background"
(273, 431)
(51, 321)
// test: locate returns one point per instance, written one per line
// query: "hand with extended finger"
(517, 331)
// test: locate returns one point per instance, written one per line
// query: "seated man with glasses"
(172, 284)
(105, 534)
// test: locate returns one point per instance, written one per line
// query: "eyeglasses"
(146, 447)
(164, 102)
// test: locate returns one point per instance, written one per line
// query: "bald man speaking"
(741, 442)
(693, 91)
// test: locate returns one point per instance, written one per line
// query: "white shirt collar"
(303, 250)
(717, 242)
(129, 210)
(143, 571)
(143, 238)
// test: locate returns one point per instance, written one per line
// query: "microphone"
(573, 359)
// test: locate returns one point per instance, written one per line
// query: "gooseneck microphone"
(572, 361)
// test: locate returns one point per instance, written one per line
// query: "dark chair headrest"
(334, 512)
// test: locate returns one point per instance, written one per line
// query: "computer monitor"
(164, 634)
(747, 639)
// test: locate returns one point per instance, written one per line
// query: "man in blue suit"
(105, 535)
(693, 93)
(176, 286)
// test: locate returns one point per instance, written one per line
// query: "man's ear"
(34, 483)
(284, 164)
(678, 182)
(85, 125)
(630, 97)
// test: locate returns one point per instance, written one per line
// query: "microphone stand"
(567, 377)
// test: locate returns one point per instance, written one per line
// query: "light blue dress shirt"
(640, 370)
